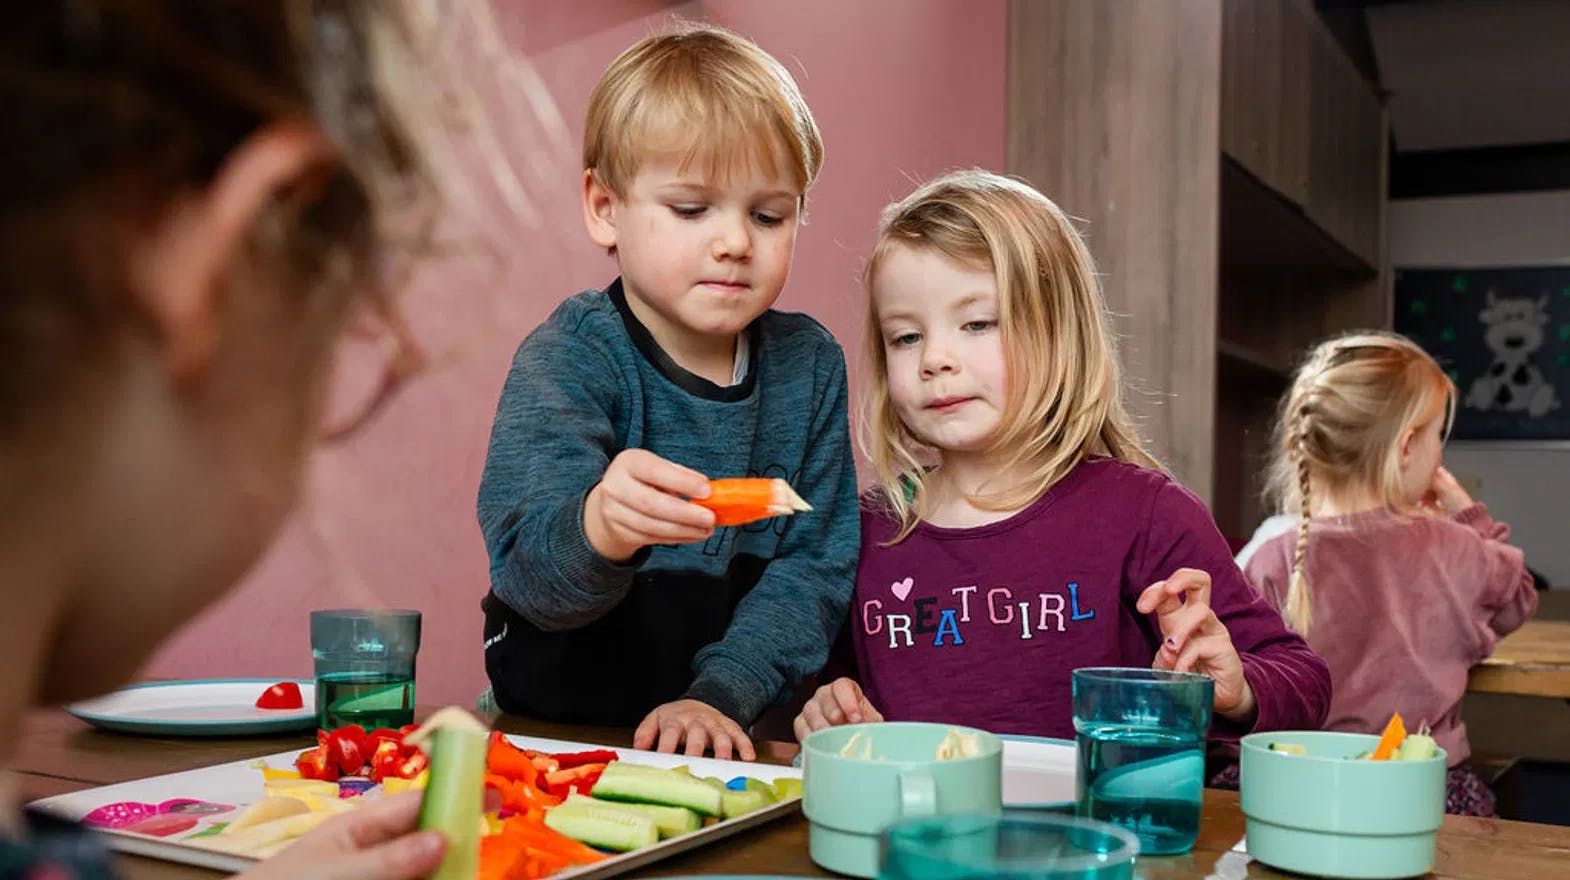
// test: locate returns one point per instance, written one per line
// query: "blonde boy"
(614, 600)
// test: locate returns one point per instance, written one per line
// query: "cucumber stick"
(607, 826)
(740, 803)
(670, 821)
(654, 785)
(454, 803)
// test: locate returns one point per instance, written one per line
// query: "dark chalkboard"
(1503, 335)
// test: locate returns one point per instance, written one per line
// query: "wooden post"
(1114, 109)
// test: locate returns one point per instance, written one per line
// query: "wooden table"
(1532, 661)
(58, 754)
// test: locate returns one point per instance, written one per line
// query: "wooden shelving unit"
(1302, 253)
(1230, 165)
(1250, 364)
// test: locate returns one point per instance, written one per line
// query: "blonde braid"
(1298, 608)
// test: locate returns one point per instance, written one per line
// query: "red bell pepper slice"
(512, 800)
(404, 731)
(314, 764)
(283, 695)
(413, 765)
(519, 796)
(386, 760)
(569, 760)
(505, 759)
(580, 779)
(347, 747)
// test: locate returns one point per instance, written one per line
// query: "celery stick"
(455, 795)
(670, 821)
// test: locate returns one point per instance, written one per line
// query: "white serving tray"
(237, 784)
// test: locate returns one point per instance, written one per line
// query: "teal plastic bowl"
(1328, 815)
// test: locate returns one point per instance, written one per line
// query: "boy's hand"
(375, 840)
(642, 500)
(697, 724)
(841, 701)
(1195, 640)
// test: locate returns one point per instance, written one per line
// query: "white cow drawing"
(1514, 330)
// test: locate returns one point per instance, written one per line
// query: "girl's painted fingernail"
(1171, 644)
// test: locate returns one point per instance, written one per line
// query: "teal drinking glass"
(1140, 735)
(1016, 845)
(364, 666)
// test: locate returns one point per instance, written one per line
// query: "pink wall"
(902, 89)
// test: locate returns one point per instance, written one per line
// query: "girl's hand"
(642, 500)
(1448, 495)
(1195, 640)
(838, 702)
(374, 840)
(696, 724)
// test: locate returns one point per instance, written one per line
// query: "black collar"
(687, 381)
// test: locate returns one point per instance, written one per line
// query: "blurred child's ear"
(599, 211)
(1407, 436)
(179, 268)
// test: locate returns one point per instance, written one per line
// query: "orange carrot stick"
(525, 849)
(1394, 733)
(741, 500)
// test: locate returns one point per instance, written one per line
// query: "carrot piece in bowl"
(1390, 739)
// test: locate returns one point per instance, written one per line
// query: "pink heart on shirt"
(901, 589)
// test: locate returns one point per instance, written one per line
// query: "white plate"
(212, 707)
(1038, 772)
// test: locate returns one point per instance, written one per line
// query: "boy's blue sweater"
(735, 621)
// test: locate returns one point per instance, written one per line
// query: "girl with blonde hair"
(1019, 529)
(1394, 574)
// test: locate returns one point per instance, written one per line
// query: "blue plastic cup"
(364, 666)
(1140, 735)
(1013, 846)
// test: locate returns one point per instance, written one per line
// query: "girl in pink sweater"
(1395, 576)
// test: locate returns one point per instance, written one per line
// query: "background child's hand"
(642, 500)
(374, 840)
(838, 702)
(1447, 493)
(1195, 640)
(697, 724)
